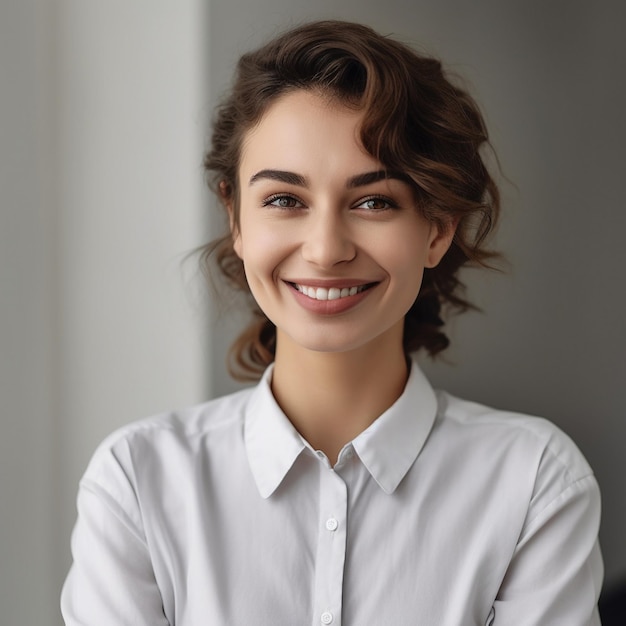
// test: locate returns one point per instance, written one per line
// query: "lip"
(330, 307)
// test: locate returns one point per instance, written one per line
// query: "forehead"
(302, 104)
(305, 129)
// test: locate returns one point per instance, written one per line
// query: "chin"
(324, 345)
(337, 341)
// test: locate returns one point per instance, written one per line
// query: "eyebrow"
(291, 178)
(360, 180)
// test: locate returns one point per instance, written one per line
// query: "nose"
(327, 240)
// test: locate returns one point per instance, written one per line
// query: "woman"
(341, 489)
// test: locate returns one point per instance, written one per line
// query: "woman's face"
(333, 251)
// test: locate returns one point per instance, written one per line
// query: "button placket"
(331, 548)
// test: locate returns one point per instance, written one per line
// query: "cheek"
(405, 256)
(261, 248)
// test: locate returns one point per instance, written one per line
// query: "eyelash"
(280, 196)
(388, 201)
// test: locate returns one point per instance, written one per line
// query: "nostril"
(328, 248)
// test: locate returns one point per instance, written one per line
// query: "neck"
(332, 397)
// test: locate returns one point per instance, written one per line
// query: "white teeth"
(334, 293)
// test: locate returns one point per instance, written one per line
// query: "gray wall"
(551, 80)
(26, 346)
(101, 193)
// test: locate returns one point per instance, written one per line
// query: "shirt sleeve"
(555, 575)
(111, 581)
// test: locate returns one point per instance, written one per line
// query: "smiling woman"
(342, 488)
(337, 221)
(415, 125)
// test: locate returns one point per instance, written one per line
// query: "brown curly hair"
(415, 121)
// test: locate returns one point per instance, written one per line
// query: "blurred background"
(103, 122)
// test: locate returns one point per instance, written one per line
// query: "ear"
(227, 198)
(440, 239)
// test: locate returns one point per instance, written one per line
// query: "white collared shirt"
(441, 513)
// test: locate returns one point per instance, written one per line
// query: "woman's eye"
(377, 204)
(283, 202)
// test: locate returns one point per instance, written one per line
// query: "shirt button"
(327, 617)
(331, 524)
(347, 455)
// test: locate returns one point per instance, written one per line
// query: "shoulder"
(522, 468)
(524, 461)
(535, 438)
(172, 438)
(189, 422)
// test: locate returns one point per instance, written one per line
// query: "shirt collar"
(391, 444)
(387, 448)
(272, 442)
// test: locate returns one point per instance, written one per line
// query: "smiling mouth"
(332, 293)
